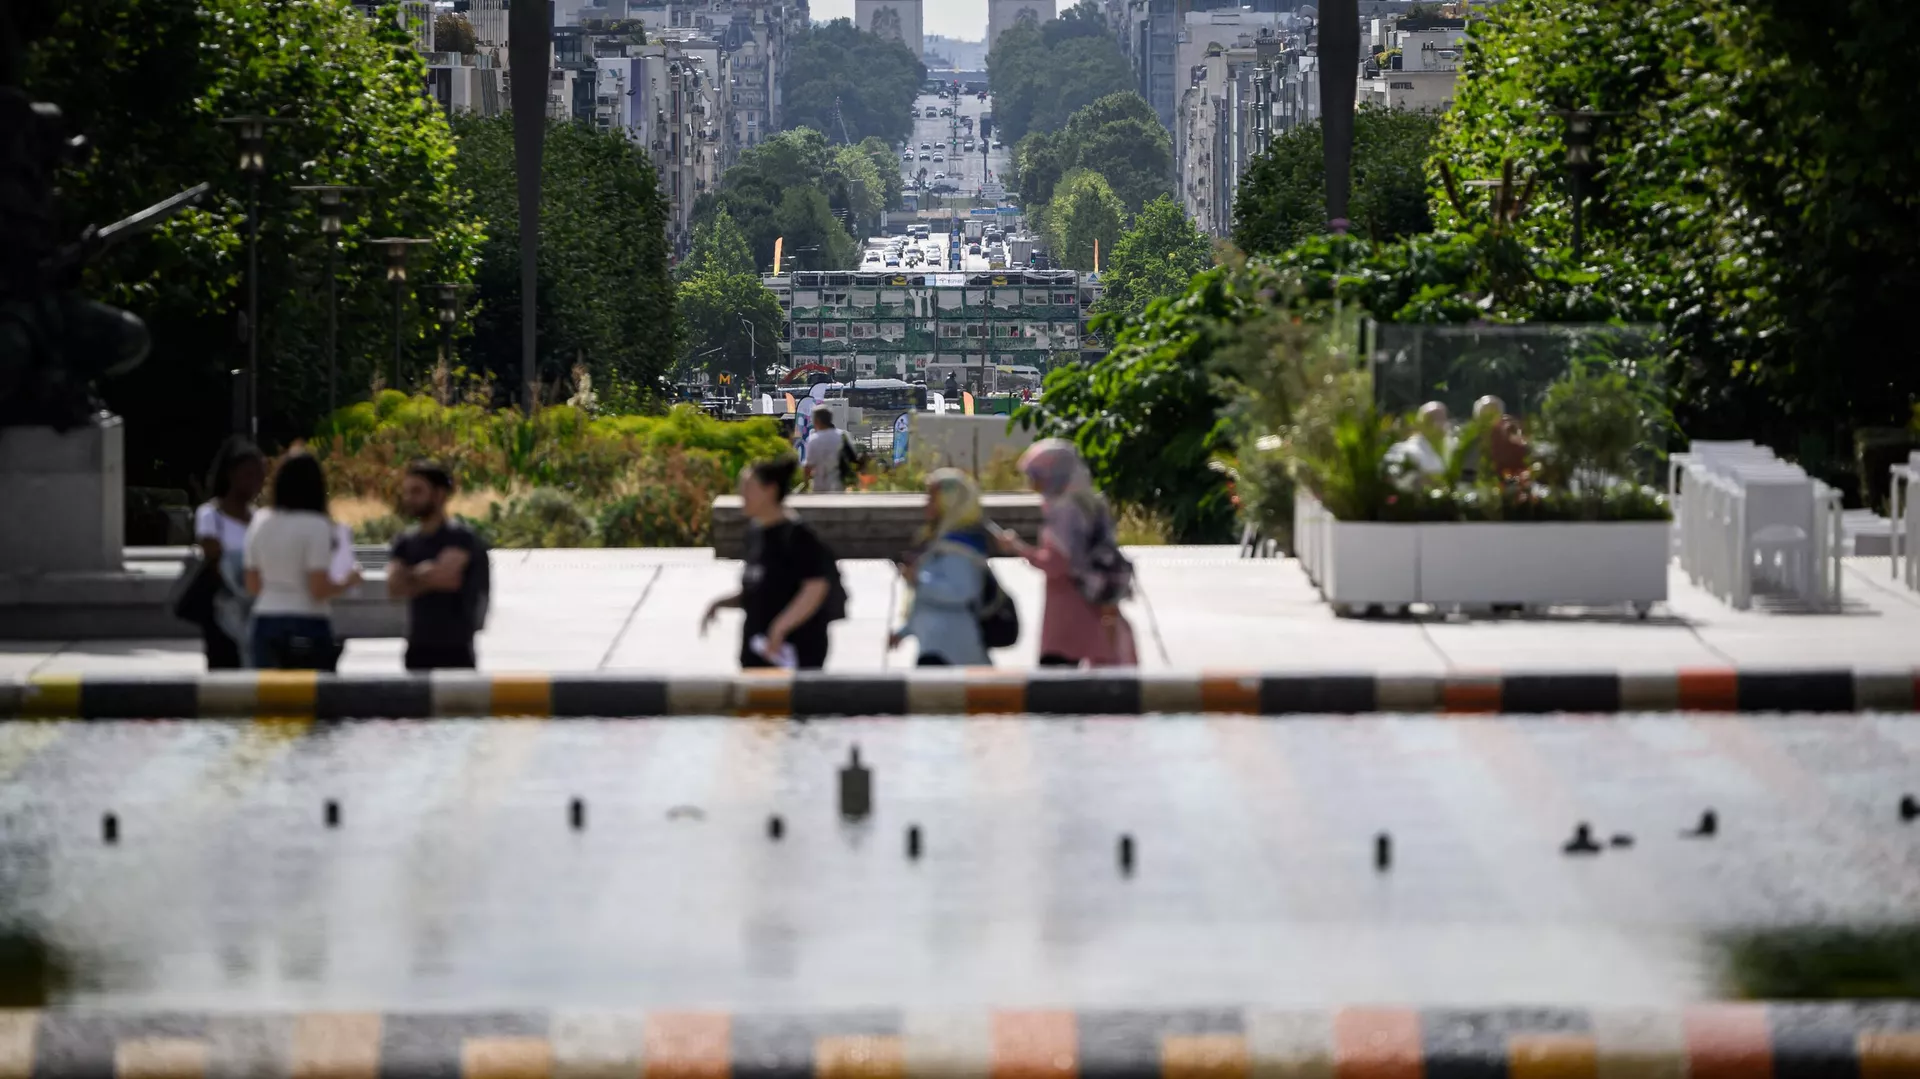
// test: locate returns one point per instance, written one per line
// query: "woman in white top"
(213, 600)
(290, 553)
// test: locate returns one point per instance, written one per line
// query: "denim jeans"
(291, 642)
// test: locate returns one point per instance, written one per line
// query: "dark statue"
(54, 343)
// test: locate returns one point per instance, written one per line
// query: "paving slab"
(1200, 607)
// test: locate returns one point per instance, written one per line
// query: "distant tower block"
(1004, 15)
(896, 20)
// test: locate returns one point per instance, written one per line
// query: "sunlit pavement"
(1200, 607)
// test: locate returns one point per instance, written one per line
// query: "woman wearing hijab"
(1074, 630)
(949, 576)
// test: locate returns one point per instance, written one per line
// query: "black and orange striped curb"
(293, 694)
(1726, 1041)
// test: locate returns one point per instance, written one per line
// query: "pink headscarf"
(1074, 512)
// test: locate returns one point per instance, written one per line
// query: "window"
(865, 331)
(976, 329)
(833, 331)
(952, 329)
(1008, 329)
(1065, 298)
(836, 299)
(807, 329)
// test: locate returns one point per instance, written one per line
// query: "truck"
(975, 227)
(1019, 250)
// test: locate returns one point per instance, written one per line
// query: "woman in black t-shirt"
(788, 579)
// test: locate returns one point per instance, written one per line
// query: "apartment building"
(1414, 62)
(866, 324)
(1240, 93)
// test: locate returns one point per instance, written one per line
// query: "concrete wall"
(869, 525)
(969, 442)
(62, 498)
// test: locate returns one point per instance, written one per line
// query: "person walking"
(948, 576)
(440, 567)
(790, 588)
(294, 569)
(1086, 577)
(826, 447)
(215, 599)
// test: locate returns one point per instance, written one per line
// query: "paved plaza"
(639, 611)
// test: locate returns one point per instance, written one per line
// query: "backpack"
(1109, 577)
(850, 462)
(999, 619)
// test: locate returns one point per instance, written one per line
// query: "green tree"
(1084, 213)
(884, 163)
(858, 189)
(1283, 197)
(606, 297)
(736, 314)
(1038, 83)
(718, 247)
(874, 81)
(1757, 184)
(1157, 258)
(787, 186)
(1117, 136)
(148, 80)
(453, 33)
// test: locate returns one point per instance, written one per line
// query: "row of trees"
(1753, 197)
(870, 81)
(1043, 73)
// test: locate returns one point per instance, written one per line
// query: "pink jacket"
(1072, 627)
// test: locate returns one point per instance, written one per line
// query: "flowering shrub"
(559, 478)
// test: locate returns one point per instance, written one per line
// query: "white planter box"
(1576, 563)
(1365, 563)
(1357, 564)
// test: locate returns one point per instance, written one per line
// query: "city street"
(941, 133)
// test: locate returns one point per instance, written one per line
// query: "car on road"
(973, 249)
(906, 155)
(926, 146)
(925, 156)
(939, 156)
(996, 144)
(946, 112)
(969, 145)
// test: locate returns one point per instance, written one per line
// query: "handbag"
(194, 592)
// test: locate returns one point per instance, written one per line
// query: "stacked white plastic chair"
(1906, 521)
(1746, 522)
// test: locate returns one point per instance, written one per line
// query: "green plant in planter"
(1593, 422)
(1345, 462)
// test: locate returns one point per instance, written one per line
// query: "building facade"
(893, 20)
(923, 325)
(1003, 15)
(1414, 63)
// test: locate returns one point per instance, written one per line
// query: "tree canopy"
(1283, 197)
(718, 247)
(1117, 136)
(1757, 184)
(1084, 211)
(733, 323)
(1156, 258)
(146, 80)
(1043, 74)
(606, 299)
(875, 81)
(791, 185)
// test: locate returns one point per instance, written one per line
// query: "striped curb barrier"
(986, 691)
(1725, 1041)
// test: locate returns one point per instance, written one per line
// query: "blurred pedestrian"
(440, 567)
(215, 599)
(790, 587)
(1079, 554)
(295, 567)
(948, 576)
(827, 453)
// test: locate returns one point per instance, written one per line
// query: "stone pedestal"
(63, 498)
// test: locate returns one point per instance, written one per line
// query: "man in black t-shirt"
(440, 568)
(781, 561)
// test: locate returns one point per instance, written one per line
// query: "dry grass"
(1138, 527)
(357, 510)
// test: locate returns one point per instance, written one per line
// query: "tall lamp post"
(333, 199)
(397, 248)
(252, 131)
(447, 312)
(1582, 130)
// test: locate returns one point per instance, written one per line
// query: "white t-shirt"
(823, 458)
(209, 521)
(285, 546)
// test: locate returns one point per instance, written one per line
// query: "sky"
(963, 19)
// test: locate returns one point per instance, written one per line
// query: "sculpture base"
(63, 497)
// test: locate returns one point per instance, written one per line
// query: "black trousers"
(424, 656)
(223, 652)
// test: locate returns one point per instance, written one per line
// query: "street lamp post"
(252, 131)
(332, 202)
(1582, 130)
(397, 249)
(448, 314)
